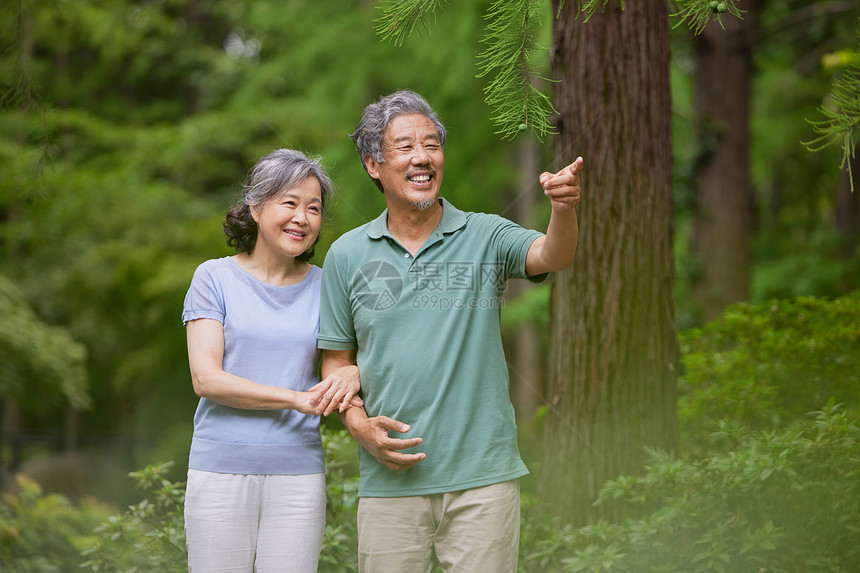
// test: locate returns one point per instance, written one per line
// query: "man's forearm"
(562, 236)
(334, 359)
(555, 250)
(353, 418)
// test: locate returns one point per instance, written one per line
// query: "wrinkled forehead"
(408, 128)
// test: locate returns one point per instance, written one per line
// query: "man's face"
(411, 173)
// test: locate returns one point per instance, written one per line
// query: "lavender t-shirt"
(270, 335)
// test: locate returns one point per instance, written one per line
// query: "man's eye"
(431, 147)
(404, 149)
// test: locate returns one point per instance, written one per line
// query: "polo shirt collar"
(452, 219)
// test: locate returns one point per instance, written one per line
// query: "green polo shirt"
(429, 347)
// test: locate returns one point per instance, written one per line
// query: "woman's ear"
(255, 212)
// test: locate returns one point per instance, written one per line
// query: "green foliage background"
(125, 133)
(127, 127)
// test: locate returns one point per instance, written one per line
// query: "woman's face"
(289, 223)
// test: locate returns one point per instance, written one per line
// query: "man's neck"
(411, 227)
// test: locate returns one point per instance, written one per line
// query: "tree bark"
(846, 217)
(613, 353)
(724, 215)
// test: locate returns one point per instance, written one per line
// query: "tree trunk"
(724, 214)
(846, 217)
(10, 428)
(523, 347)
(613, 353)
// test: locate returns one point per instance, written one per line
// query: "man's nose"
(420, 155)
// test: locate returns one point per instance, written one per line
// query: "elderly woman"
(256, 488)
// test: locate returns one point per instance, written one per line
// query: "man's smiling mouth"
(423, 178)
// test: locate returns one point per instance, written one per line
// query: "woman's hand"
(338, 391)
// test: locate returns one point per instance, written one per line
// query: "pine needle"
(698, 13)
(841, 120)
(510, 43)
(400, 17)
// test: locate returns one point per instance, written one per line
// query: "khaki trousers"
(470, 531)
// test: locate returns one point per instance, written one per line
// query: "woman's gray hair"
(278, 171)
(376, 117)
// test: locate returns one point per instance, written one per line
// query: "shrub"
(776, 501)
(150, 535)
(340, 545)
(44, 533)
(767, 365)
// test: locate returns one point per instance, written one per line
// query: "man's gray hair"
(376, 117)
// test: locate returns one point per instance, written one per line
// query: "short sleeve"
(205, 297)
(512, 243)
(337, 329)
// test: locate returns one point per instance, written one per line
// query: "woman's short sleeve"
(205, 298)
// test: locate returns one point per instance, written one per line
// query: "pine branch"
(510, 42)
(400, 17)
(841, 121)
(698, 13)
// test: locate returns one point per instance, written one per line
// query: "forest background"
(127, 128)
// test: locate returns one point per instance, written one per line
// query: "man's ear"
(372, 167)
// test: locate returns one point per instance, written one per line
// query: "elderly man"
(414, 298)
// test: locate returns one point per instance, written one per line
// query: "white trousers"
(262, 523)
